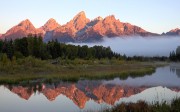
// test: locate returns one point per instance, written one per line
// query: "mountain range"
(81, 29)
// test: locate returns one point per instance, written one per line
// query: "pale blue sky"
(152, 15)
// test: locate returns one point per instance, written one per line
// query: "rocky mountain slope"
(81, 29)
(23, 29)
(50, 25)
(173, 32)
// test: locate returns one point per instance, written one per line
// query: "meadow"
(30, 68)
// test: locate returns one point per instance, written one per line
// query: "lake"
(94, 95)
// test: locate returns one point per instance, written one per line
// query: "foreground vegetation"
(30, 68)
(142, 106)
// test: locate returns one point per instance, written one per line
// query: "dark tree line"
(175, 56)
(34, 46)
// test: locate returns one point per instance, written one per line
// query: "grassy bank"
(31, 68)
(142, 106)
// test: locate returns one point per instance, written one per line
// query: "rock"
(174, 32)
(50, 25)
(23, 29)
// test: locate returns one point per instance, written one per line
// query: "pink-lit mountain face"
(50, 25)
(174, 32)
(80, 29)
(23, 29)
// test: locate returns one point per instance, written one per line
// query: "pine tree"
(10, 50)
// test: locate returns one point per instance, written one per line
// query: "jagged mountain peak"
(51, 20)
(80, 20)
(50, 25)
(80, 15)
(94, 21)
(22, 29)
(110, 17)
(174, 30)
(26, 21)
(26, 24)
(99, 18)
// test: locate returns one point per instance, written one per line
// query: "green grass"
(29, 68)
(142, 106)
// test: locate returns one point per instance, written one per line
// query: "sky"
(152, 15)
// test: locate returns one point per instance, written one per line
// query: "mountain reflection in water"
(163, 85)
(81, 92)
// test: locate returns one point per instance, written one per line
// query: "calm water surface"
(94, 95)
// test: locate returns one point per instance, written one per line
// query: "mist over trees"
(34, 46)
(139, 46)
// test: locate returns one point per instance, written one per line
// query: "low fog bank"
(139, 46)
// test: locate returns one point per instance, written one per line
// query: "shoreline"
(72, 70)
